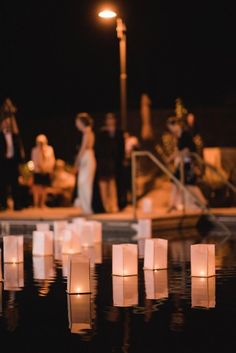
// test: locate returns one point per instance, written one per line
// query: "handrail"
(215, 170)
(178, 183)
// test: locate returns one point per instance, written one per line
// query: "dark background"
(58, 58)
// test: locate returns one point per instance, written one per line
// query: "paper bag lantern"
(125, 291)
(57, 250)
(94, 254)
(70, 242)
(156, 284)
(202, 260)
(147, 205)
(78, 280)
(13, 248)
(13, 276)
(86, 234)
(65, 264)
(96, 228)
(58, 228)
(43, 268)
(42, 243)
(42, 227)
(125, 259)
(203, 292)
(155, 255)
(79, 312)
(143, 228)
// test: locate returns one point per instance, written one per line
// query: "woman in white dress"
(85, 163)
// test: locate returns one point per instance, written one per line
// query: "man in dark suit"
(11, 155)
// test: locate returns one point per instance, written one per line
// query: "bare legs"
(39, 196)
(109, 197)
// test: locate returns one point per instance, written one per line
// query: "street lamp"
(121, 35)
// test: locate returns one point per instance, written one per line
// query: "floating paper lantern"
(57, 250)
(70, 242)
(143, 228)
(13, 248)
(58, 228)
(42, 243)
(94, 254)
(13, 276)
(86, 234)
(96, 229)
(156, 284)
(125, 259)
(43, 227)
(202, 260)
(78, 280)
(147, 205)
(155, 255)
(43, 268)
(125, 291)
(79, 312)
(203, 292)
(65, 264)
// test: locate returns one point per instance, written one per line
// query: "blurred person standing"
(85, 163)
(43, 158)
(11, 155)
(110, 150)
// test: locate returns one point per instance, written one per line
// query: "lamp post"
(121, 35)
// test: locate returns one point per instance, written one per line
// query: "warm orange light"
(107, 14)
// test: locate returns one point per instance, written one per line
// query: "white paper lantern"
(94, 254)
(42, 227)
(96, 228)
(141, 248)
(42, 243)
(125, 291)
(57, 250)
(147, 205)
(86, 234)
(13, 248)
(65, 264)
(79, 312)
(43, 267)
(203, 260)
(156, 284)
(155, 255)
(203, 292)
(78, 280)
(13, 276)
(58, 227)
(70, 242)
(125, 259)
(143, 228)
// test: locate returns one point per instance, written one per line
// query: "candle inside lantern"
(78, 280)
(155, 255)
(156, 284)
(125, 291)
(203, 292)
(13, 248)
(42, 243)
(79, 312)
(13, 276)
(124, 259)
(202, 260)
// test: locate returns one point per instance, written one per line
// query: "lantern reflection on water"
(203, 292)
(13, 276)
(42, 243)
(43, 268)
(79, 312)
(78, 279)
(125, 291)
(155, 256)
(203, 260)
(13, 248)
(125, 259)
(156, 284)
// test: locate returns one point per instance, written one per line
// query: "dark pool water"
(168, 311)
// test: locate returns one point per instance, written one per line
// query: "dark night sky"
(58, 57)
